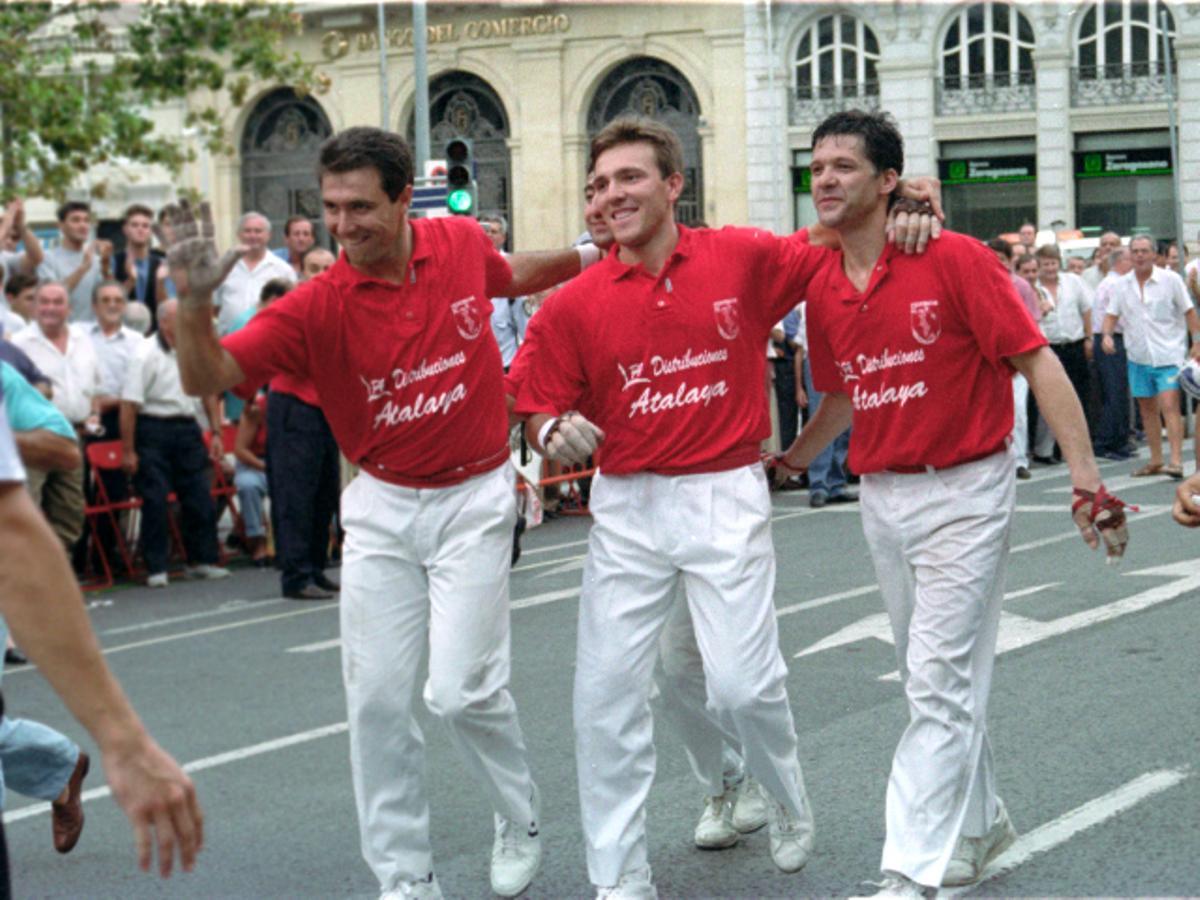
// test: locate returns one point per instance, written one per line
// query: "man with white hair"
(240, 291)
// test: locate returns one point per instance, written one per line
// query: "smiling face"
(1028, 270)
(1142, 251)
(637, 203)
(846, 187)
(109, 306)
(299, 237)
(361, 217)
(254, 233)
(51, 308)
(1048, 267)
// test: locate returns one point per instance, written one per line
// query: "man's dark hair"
(1024, 258)
(882, 143)
(73, 206)
(1048, 251)
(1000, 245)
(19, 282)
(363, 147)
(101, 285)
(292, 220)
(274, 289)
(137, 209)
(668, 152)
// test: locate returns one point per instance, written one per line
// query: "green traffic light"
(459, 201)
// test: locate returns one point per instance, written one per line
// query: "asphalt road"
(1095, 721)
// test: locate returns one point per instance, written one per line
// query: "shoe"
(634, 885)
(1023, 473)
(972, 855)
(206, 572)
(845, 495)
(425, 889)
(14, 657)
(791, 841)
(750, 809)
(516, 851)
(325, 583)
(1147, 470)
(157, 580)
(66, 819)
(817, 499)
(715, 830)
(898, 886)
(309, 592)
(1175, 472)
(262, 562)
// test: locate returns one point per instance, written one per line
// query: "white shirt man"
(1093, 275)
(63, 352)
(242, 288)
(1154, 317)
(1065, 321)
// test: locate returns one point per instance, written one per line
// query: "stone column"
(1055, 172)
(540, 182)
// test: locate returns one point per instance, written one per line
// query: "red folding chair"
(223, 489)
(106, 456)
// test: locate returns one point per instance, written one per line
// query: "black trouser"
(1074, 361)
(172, 457)
(302, 471)
(1112, 434)
(785, 398)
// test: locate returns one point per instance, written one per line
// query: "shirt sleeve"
(133, 390)
(826, 377)
(30, 411)
(274, 341)
(496, 270)
(553, 381)
(11, 469)
(987, 300)
(779, 269)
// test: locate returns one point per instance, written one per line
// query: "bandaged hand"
(1101, 517)
(572, 439)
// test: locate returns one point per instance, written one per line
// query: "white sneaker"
(715, 830)
(157, 580)
(425, 889)
(898, 886)
(972, 855)
(516, 851)
(750, 808)
(791, 841)
(634, 885)
(206, 572)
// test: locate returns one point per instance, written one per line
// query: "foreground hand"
(572, 439)
(129, 462)
(1186, 510)
(195, 267)
(1101, 516)
(910, 225)
(160, 801)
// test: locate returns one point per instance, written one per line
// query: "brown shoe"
(66, 819)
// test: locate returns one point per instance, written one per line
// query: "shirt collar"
(684, 248)
(846, 289)
(423, 249)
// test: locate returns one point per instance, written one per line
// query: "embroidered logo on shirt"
(729, 318)
(925, 320)
(466, 319)
(632, 375)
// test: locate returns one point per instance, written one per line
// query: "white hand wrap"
(571, 439)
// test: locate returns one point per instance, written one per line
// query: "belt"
(445, 478)
(921, 470)
(178, 420)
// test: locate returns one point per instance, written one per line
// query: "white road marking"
(877, 625)
(574, 565)
(547, 563)
(1146, 513)
(1121, 483)
(1060, 830)
(548, 597)
(827, 599)
(199, 765)
(534, 550)
(317, 647)
(231, 606)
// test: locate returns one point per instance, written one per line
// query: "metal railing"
(995, 92)
(1117, 84)
(809, 105)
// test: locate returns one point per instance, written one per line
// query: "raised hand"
(192, 257)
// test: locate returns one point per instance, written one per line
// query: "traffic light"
(460, 177)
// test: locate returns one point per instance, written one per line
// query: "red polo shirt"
(922, 353)
(670, 366)
(408, 375)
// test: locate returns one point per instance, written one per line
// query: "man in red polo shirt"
(918, 353)
(395, 340)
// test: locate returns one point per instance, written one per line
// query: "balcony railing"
(1112, 85)
(809, 105)
(996, 92)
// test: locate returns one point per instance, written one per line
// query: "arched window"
(836, 68)
(988, 44)
(1122, 38)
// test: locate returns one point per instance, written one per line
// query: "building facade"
(1053, 113)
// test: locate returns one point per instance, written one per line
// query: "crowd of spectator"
(89, 349)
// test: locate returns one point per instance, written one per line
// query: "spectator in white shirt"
(163, 450)
(1153, 306)
(63, 352)
(240, 290)
(1111, 437)
(1065, 303)
(14, 230)
(1110, 241)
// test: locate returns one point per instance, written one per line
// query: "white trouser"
(427, 566)
(682, 700)
(939, 541)
(714, 531)
(1020, 432)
